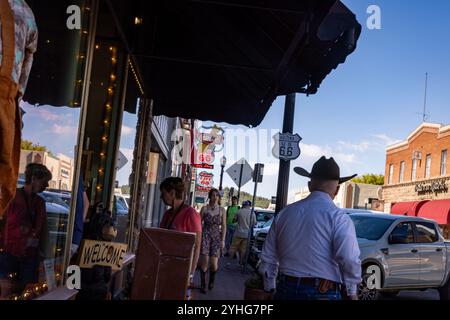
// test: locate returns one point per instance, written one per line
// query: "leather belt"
(315, 282)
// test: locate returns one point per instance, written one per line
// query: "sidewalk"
(229, 284)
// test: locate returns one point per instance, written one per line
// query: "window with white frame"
(444, 163)
(428, 167)
(402, 172)
(414, 170)
(391, 173)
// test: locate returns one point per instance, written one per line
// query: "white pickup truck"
(410, 252)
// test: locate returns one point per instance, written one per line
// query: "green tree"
(28, 145)
(375, 179)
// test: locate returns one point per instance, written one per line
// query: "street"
(416, 295)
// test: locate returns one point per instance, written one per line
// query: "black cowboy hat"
(326, 169)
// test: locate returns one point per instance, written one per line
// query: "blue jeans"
(287, 290)
(229, 236)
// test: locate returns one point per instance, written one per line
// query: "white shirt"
(312, 239)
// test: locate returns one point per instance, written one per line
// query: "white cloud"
(64, 130)
(126, 131)
(271, 169)
(386, 139)
(314, 152)
(360, 147)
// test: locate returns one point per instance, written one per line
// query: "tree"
(28, 145)
(260, 201)
(375, 179)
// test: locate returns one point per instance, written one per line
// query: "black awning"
(228, 61)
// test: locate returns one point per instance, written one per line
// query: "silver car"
(409, 252)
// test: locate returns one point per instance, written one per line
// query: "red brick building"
(418, 174)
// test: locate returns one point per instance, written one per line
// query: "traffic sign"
(287, 146)
(235, 172)
(121, 161)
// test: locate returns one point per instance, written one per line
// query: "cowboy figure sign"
(287, 146)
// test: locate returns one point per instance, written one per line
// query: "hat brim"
(302, 172)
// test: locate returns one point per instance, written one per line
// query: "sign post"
(241, 173)
(257, 178)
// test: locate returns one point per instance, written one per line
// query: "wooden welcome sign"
(107, 254)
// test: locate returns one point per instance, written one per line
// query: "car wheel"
(444, 292)
(364, 293)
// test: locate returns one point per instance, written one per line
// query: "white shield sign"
(287, 146)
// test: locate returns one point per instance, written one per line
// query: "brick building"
(418, 174)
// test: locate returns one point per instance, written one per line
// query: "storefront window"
(51, 118)
(428, 167)
(444, 163)
(123, 183)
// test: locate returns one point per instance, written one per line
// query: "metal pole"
(285, 166)
(250, 230)
(240, 182)
(221, 178)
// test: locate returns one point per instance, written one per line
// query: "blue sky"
(367, 103)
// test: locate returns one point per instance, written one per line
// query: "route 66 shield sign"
(287, 146)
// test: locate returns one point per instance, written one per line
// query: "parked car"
(262, 216)
(410, 252)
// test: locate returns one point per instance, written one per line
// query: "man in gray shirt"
(245, 220)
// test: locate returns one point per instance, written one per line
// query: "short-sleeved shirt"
(23, 222)
(186, 220)
(245, 220)
(26, 41)
(231, 212)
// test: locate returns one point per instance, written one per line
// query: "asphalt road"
(416, 295)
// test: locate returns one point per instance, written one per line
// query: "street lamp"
(223, 163)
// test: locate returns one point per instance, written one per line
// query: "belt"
(315, 282)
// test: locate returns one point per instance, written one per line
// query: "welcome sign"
(107, 254)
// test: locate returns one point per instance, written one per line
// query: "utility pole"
(285, 166)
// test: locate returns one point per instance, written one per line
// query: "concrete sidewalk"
(229, 284)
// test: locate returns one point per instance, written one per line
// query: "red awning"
(407, 208)
(438, 210)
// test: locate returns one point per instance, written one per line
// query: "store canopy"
(227, 61)
(407, 208)
(438, 210)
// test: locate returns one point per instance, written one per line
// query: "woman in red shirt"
(180, 217)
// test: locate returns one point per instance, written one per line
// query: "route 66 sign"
(287, 146)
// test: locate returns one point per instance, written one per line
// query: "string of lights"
(107, 113)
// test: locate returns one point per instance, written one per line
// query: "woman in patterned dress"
(213, 237)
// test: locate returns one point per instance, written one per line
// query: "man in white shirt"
(312, 244)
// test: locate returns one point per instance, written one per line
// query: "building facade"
(418, 174)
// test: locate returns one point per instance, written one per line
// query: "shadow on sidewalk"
(229, 284)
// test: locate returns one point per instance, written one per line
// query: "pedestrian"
(18, 42)
(213, 238)
(23, 231)
(231, 223)
(245, 219)
(81, 211)
(180, 216)
(312, 244)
